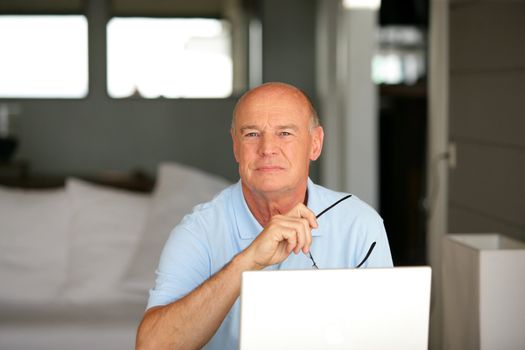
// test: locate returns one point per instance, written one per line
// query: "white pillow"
(178, 189)
(105, 227)
(33, 244)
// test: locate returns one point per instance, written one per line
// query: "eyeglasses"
(369, 249)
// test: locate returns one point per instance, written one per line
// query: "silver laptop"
(380, 308)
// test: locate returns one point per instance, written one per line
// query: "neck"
(265, 205)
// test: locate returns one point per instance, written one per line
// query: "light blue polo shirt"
(209, 237)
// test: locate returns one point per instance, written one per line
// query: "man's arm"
(190, 322)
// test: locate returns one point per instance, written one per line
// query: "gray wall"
(289, 42)
(96, 134)
(487, 116)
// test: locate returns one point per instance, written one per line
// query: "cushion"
(33, 244)
(178, 189)
(105, 227)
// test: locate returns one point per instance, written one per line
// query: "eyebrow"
(290, 126)
(248, 127)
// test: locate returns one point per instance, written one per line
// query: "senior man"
(265, 221)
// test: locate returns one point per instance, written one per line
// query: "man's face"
(274, 140)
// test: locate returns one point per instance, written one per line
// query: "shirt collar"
(249, 227)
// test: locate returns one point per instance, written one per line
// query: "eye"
(285, 133)
(251, 134)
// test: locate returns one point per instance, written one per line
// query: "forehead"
(280, 106)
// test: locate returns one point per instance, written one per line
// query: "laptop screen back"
(336, 309)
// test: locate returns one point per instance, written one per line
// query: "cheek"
(300, 150)
(236, 149)
(245, 153)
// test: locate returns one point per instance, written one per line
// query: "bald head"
(274, 92)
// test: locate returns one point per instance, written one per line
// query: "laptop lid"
(375, 308)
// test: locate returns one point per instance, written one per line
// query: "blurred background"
(101, 88)
(422, 101)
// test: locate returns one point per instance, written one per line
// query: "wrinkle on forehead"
(276, 99)
(272, 102)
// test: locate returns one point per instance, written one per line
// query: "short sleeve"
(184, 265)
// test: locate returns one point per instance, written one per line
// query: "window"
(43, 56)
(169, 57)
(400, 58)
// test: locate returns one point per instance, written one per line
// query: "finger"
(302, 211)
(308, 237)
(303, 234)
(290, 235)
(302, 230)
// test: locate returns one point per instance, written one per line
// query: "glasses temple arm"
(367, 255)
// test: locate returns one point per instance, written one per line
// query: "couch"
(76, 262)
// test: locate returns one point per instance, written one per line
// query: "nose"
(267, 145)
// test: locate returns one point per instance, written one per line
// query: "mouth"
(269, 168)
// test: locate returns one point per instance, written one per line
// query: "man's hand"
(282, 235)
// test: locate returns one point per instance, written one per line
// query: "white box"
(483, 292)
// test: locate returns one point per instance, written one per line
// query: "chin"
(269, 184)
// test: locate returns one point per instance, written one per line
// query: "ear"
(317, 143)
(235, 145)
